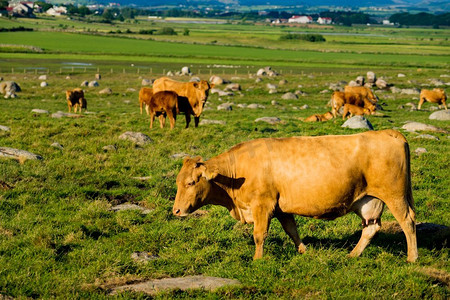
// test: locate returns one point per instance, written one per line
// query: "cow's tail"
(408, 186)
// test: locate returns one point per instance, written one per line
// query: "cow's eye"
(191, 183)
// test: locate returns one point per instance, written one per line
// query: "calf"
(320, 118)
(351, 110)
(145, 94)
(434, 96)
(338, 99)
(75, 98)
(163, 104)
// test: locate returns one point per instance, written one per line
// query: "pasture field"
(60, 239)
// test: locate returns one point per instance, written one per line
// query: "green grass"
(58, 238)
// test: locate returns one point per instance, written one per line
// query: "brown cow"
(365, 92)
(145, 94)
(76, 99)
(195, 92)
(338, 99)
(319, 118)
(163, 104)
(323, 177)
(352, 110)
(434, 96)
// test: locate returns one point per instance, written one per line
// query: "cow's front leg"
(196, 121)
(261, 220)
(290, 227)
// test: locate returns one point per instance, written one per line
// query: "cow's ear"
(208, 173)
(196, 159)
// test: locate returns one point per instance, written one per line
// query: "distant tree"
(3, 4)
(186, 31)
(421, 19)
(166, 31)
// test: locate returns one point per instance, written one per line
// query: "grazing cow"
(434, 96)
(195, 92)
(145, 94)
(75, 98)
(320, 118)
(323, 177)
(351, 110)
(365, 92)
(338, 99)
(163, 104)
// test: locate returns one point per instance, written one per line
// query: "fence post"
(151, 70)
(123, 70)
(199, 71)
(12, 70)
(111, 70)
(210, 71)
(138, 71)
(164, 71)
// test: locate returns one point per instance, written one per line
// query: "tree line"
(421, 19)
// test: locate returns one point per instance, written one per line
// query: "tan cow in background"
(145, 94)
(339, 99)
(319, 117)
(434, 96)
(163, 104)
(353, 110)
(365, 92)
(75, 98)
(196, 93)
(323, 177)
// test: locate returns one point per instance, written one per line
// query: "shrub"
(304, 37)
(166, 31)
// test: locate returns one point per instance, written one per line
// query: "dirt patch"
(441, 276)
(393, 227)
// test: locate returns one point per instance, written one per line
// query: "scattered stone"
(131, 90)
(85, 83)
(170, 74)
(437, 82)
(270, 120)
(416, 126)
(146, 82)
(143, 256)
(68, 77)
(254, 106)
(108, 148)
(185, 71)
(428, 137)
(272, 91)
(4, 128)
(130, 206)
(43, 77)
(216, 80)
(44, 84)
(242, 105)
(304, 106)
(138, 138)
(283, 82)
(395, 90)
(441, 115)
(420, 151)
(274, 102)
(324, 92)
(18, 154)
(93, 84)
(412, 91)
(60, 114)
(179, 155)
(57, 145)
(267, 71)
(381, 83)
(233, 87)
(400, 75)
(300, 93)
(152, 287)
(289, 96)
(144, 178)
(271, 86)
(358, 122)
(371, 77)
(40, 111)
(258, 80)
(194, 79)
(213, 122)
(225, 93)
(360, 80)
(225, 106)
(98, 76)
(105, 91)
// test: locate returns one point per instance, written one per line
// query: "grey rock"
(416, 126)
(420, 151)
(43, 77)
(214, 91)
(233, 87)
(225, 106)
(395, 90)
(437, 82)
(9, 88)
(152, 287)
(98, 76)
(57, 145)
(440, 115)
(412, 91)
(216, 80)
(324, 92)
(93, 83)
(179, 155)
(371, 77)
(212, 122)
(17, 154)
(254, 106)
(381, 83)
(270, 120)
(130, 206)
(428, 137)
(304, 106)
(360, 80)
(138, 138)
(272, 91)
(105, 91)
(40, 111)
(353, 83)
(143, 178)
(85, 83)
(358, 122)
(242, 105)
(109, 148)
(170, 74)
(225, 93)
(401, 75)
(289, 96)
(143, 257)
(283, 82)
(131, 90)
(44, 84)
(4, 128)
(273, 102)
(146, 82)
(185, 71)
(271, 86)
(60, 114)
(258, 80)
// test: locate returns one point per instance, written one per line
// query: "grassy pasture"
(58, 238)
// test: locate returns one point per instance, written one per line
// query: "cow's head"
(69, 94)
(201, 95)
(193, 186)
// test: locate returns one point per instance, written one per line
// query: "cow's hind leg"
(290, 227)
(369, 209)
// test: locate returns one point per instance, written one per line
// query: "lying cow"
(75, 98)
(323, 177)
(195, 92)
(339, 99)
(145, 94)
(434, 96)
(353, 110)
(364, 92)
(163, 104)
(319, 118)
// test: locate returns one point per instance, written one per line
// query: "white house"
(321, 20)
(56, 11)
(300, 19)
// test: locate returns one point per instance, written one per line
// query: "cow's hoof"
(301, 248)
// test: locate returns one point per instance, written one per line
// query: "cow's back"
(167, 84)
